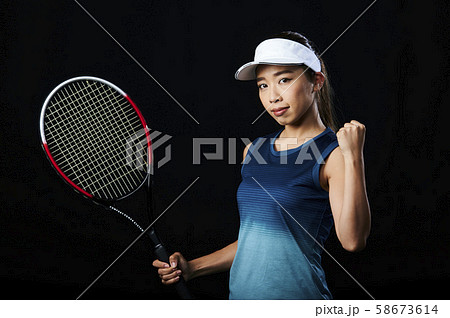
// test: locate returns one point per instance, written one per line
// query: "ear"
(319, 79)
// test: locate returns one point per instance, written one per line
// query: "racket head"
(96, 138)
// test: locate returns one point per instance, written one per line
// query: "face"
(285, 94)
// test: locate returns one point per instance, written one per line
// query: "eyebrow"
(275, 74)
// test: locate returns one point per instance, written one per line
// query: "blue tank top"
(280, 201)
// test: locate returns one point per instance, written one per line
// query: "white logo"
(137, 150)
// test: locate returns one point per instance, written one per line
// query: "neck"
(309, 126)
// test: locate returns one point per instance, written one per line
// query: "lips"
(279, 111)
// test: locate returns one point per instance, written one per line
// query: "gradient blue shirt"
(284, 216)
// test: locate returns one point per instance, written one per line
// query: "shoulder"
(334, 164)
(334, 157)
(332, 171)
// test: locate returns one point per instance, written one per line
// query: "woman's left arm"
(347, 187)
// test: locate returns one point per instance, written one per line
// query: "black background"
(389, 71)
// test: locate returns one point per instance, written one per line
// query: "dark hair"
(325, 95)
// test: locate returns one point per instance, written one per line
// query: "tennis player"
(296, 183)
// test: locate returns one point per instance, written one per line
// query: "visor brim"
(247, 71)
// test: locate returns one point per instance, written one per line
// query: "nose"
(275, 96)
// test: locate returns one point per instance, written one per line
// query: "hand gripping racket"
(98, 142)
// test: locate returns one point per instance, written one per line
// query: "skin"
(342, 174)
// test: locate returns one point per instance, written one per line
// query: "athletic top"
(284, 215)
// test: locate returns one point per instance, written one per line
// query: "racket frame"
(53, 163)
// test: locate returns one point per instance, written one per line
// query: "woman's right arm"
(219, 261)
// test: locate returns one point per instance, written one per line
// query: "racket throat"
(154, 237)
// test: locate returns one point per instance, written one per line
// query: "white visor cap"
(278, 52)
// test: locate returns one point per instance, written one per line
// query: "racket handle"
(162, 255)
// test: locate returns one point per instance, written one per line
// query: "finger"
(171, 275)
(349, 125)
(158, 264)
(167, 271)
(171, 281)
(173, 260)
(355, 122)
(358, 124)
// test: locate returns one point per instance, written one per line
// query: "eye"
(284, 80)
(261, 86)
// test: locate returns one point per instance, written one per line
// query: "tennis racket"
(97, 140)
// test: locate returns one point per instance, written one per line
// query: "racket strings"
(92, 130)
(53, 121)
(132, 181)
(70, 128)
(78, 129)
(102, 137)
(96, 135)
(128, 180)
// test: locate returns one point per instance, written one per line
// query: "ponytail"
(325, 101)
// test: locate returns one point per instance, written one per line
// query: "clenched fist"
(351, 139)
(170, 274)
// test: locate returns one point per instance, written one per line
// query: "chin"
(283, 121)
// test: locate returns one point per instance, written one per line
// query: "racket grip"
(162, 255)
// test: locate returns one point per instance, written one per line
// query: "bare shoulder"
(334, 163)
(332, 168)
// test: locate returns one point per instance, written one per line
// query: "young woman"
(296, 183)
